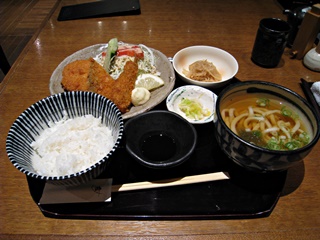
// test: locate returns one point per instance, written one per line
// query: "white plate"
(206, 97)
(162, 63)
(226, 64)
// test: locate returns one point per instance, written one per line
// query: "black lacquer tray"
(245, 195)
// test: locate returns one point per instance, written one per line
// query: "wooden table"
(167, 26)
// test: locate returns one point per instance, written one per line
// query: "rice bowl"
(41, 115)
(66, 146)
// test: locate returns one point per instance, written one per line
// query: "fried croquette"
(75, 76)
(119, 90)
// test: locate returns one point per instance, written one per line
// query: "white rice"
(70, 146)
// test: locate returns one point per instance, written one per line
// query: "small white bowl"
(204, 96)
(225, 63)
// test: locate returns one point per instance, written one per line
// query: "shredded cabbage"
(145, 65)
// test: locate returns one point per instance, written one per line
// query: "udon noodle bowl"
(265, 127)
(267, 121)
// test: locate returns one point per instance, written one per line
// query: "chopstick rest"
(170, 182)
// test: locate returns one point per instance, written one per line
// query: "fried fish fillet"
(98, 77)
(119, 90)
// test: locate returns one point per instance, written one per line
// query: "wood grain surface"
(166, 26)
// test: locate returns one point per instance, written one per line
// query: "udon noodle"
(266, 123)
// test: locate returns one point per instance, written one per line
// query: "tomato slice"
(132, 51)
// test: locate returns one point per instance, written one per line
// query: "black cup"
(270, 42)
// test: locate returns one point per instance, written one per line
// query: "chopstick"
(170, 182)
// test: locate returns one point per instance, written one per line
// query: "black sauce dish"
(159, 139)
(253, 157)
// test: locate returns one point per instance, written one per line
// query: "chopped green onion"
(273, 144)
(304, 137)
(293, 145)
(256, 133)
(263, 102)
(286, 111)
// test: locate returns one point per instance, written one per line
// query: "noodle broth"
(266, 121)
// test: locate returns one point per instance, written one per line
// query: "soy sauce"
(158, 147)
